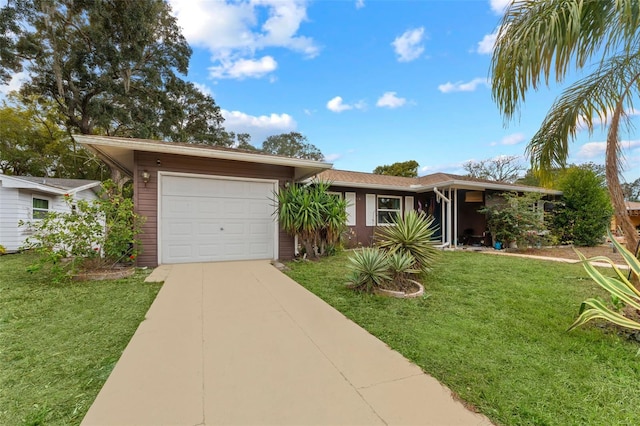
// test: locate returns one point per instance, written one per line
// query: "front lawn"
(59, 342)
(493, 329)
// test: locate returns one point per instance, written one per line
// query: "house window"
(388, 208)
(40, 208)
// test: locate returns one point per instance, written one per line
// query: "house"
(26, 198)
(206, 203)
(633, 210)
(453, 200)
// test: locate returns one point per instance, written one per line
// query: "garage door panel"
(209, 219)
(208, 229)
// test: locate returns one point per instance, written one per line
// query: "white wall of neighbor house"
(17, 205)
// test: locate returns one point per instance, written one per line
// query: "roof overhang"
(454, 184)
(119, 151)
(17, 183)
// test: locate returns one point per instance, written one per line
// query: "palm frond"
(538, 39)
(586, 103)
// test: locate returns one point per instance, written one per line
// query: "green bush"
(317, 217)
(96, 234)
(2, 249)
(515, 218)
(583, 215)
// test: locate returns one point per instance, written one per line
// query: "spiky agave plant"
(370, 269)
(413, 234)
(620, 288)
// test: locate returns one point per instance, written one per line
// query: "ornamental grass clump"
(620, 287)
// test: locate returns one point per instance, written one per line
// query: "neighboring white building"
(29, 198)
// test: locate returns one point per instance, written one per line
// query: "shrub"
(101, 233)
(584, 213)
(414, 235)
(2, 249)
(515, 218)
(620, 287)
(315, 216)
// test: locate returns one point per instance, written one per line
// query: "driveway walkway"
(241, 343)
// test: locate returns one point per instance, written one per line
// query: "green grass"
(493, 329)
(59, 342)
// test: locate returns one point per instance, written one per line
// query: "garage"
(211, 218)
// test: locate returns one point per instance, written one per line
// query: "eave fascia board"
(459, 184)
(196, 151)
(24, 184)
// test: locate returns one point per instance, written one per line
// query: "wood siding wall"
(146, 196)
(361, 234)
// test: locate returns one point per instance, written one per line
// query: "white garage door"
(206, 219)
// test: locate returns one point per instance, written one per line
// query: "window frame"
(39, 213)
(398, 211)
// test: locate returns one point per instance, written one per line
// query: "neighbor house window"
(40, 208)
(388, 209)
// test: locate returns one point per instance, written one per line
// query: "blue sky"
(369, 82)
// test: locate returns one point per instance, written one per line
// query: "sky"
(369, 82)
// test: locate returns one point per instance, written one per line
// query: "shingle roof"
(401, 183)
(333, 175)
(64, 184)
(632, 205)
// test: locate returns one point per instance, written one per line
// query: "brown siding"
(361, 234)
(146, 196)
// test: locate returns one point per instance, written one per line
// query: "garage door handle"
(222, 229)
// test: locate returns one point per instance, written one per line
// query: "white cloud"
(233, 31)
(259, 127)
(203, 88)
(14, 84)
(359, 4)
(485, 46)
(390, 100)
(512, 139)
(408, 46)
(337, 105)
(244, 68)
(597, 149)
(460, 86)
(332, 157)
(499, 6)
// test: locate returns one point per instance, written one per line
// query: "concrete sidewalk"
(241, 343)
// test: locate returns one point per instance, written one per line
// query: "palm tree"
(542, 39)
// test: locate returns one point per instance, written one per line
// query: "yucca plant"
(401, 267)
(311, 213)
(413, 234)
(370, 269)
(620, 288)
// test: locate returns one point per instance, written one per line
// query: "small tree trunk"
(615, 189)
(613, 183)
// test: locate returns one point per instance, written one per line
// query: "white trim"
(121, 153)
(161, 174)
(408, 204)
(459, 184)
(49, 201)
(371, 210)
(401, 210)
(350, 197)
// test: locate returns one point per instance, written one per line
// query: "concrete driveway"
(239, 343)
